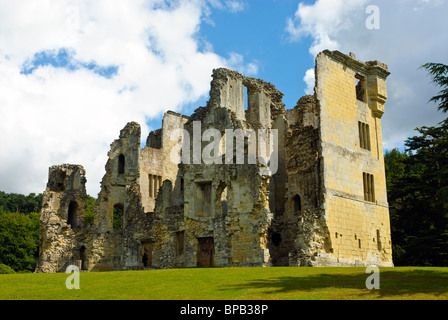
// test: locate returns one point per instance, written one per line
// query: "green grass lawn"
(232, 284)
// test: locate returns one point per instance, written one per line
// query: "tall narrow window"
(207, 189)
(72, 217)
(297, 202)
(150, 187)
(378, 239)
(118, 216)
(154, 184)
(121, 164)
(147, 254)
(180, 242)
(246, 98)
(82, 257)
(369, 187)
(364, 135)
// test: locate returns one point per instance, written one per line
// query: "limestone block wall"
(156, 165)
(356, 210)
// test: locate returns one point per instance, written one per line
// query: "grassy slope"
(232, 284)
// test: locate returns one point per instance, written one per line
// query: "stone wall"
(358, 227)
(324, 204)
(62, 218)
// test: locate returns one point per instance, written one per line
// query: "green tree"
(19, 240)
(417, 182)
(13, 202)
(439, 74)
(418, 197)
(89, 212)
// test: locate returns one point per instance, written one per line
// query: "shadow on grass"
(393, 285)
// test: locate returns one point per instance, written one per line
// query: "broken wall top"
(66, 177)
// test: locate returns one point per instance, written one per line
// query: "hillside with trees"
(19, 230)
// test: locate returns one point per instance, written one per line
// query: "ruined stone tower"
(323, 203)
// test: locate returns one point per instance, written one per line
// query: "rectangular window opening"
(154, 184)
(180, 242)
(364, 135)
(246, 99)
(360, 87)
(378, 239)
(369, 187)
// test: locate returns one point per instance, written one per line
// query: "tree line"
(19, 230)
(417, 188)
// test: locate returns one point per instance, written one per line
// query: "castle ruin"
(325, 204)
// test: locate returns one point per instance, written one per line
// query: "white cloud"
(55, 115)
(229, 5)
(407, 38)
(237, 62)
(323, 21)
(310, 80)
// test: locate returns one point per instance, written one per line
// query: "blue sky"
(259, 34)
(65, 58)
(73, 73)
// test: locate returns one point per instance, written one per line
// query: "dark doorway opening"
(206, 252)
(297, 203)
(276, 239)
(147, 255)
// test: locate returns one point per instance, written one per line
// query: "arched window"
(121, 163)
(72, 217)
(297, 203)
(118, 215)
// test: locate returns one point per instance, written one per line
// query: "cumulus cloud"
(310, 80)
(323, 21)
(411, 33)
(72, 73)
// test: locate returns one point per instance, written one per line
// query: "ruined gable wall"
(226, 203)
(118, 247)
(303, 230)
(62, 218)
(156, 165)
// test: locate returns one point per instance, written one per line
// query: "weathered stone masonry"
(325, 205)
